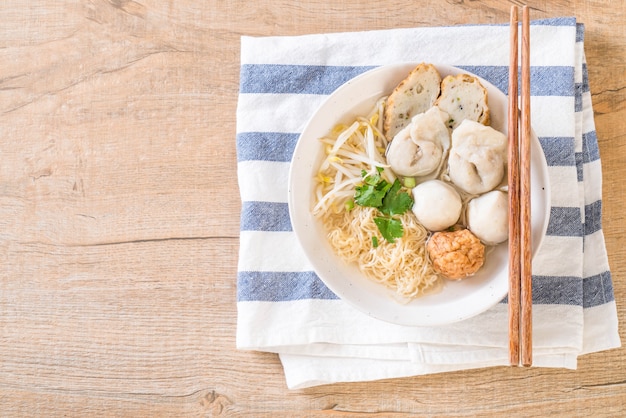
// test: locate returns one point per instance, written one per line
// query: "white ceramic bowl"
(457, 300)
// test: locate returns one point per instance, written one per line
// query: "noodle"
(402, 266)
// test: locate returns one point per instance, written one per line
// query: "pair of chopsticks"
(520, 279)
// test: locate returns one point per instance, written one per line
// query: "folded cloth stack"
(283, 307)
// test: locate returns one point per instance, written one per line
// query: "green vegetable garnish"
(396, 202)
(390, 228)
(388, 199)
(409, 182)
(373, 190)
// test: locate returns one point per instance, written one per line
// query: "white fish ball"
(437, 205)
(488, 217)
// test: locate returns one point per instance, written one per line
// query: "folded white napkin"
(283, 306)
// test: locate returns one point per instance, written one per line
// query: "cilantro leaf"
(388, 199)
(373, 190)
(396, 202)
(389, 228)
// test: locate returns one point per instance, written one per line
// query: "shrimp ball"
(456, 255)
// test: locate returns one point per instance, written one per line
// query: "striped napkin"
(283, 307)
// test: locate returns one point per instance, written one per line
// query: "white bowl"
(457, 300)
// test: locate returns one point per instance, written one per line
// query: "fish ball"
(420, 148)
(437, 205)
(477, 158)
(488, 217)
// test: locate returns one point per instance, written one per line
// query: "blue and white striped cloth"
(283, 306)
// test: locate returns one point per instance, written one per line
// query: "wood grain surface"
(119, 214)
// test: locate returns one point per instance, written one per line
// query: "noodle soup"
(363, 163)
(435, 302)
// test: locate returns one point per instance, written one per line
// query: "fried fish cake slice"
(463, 97)
(415, 94)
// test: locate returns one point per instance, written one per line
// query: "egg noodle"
(402, 266)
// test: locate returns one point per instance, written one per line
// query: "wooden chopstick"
(520, 265)
(514, 204)
(525, 229)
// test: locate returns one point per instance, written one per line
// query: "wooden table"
(119, 214)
